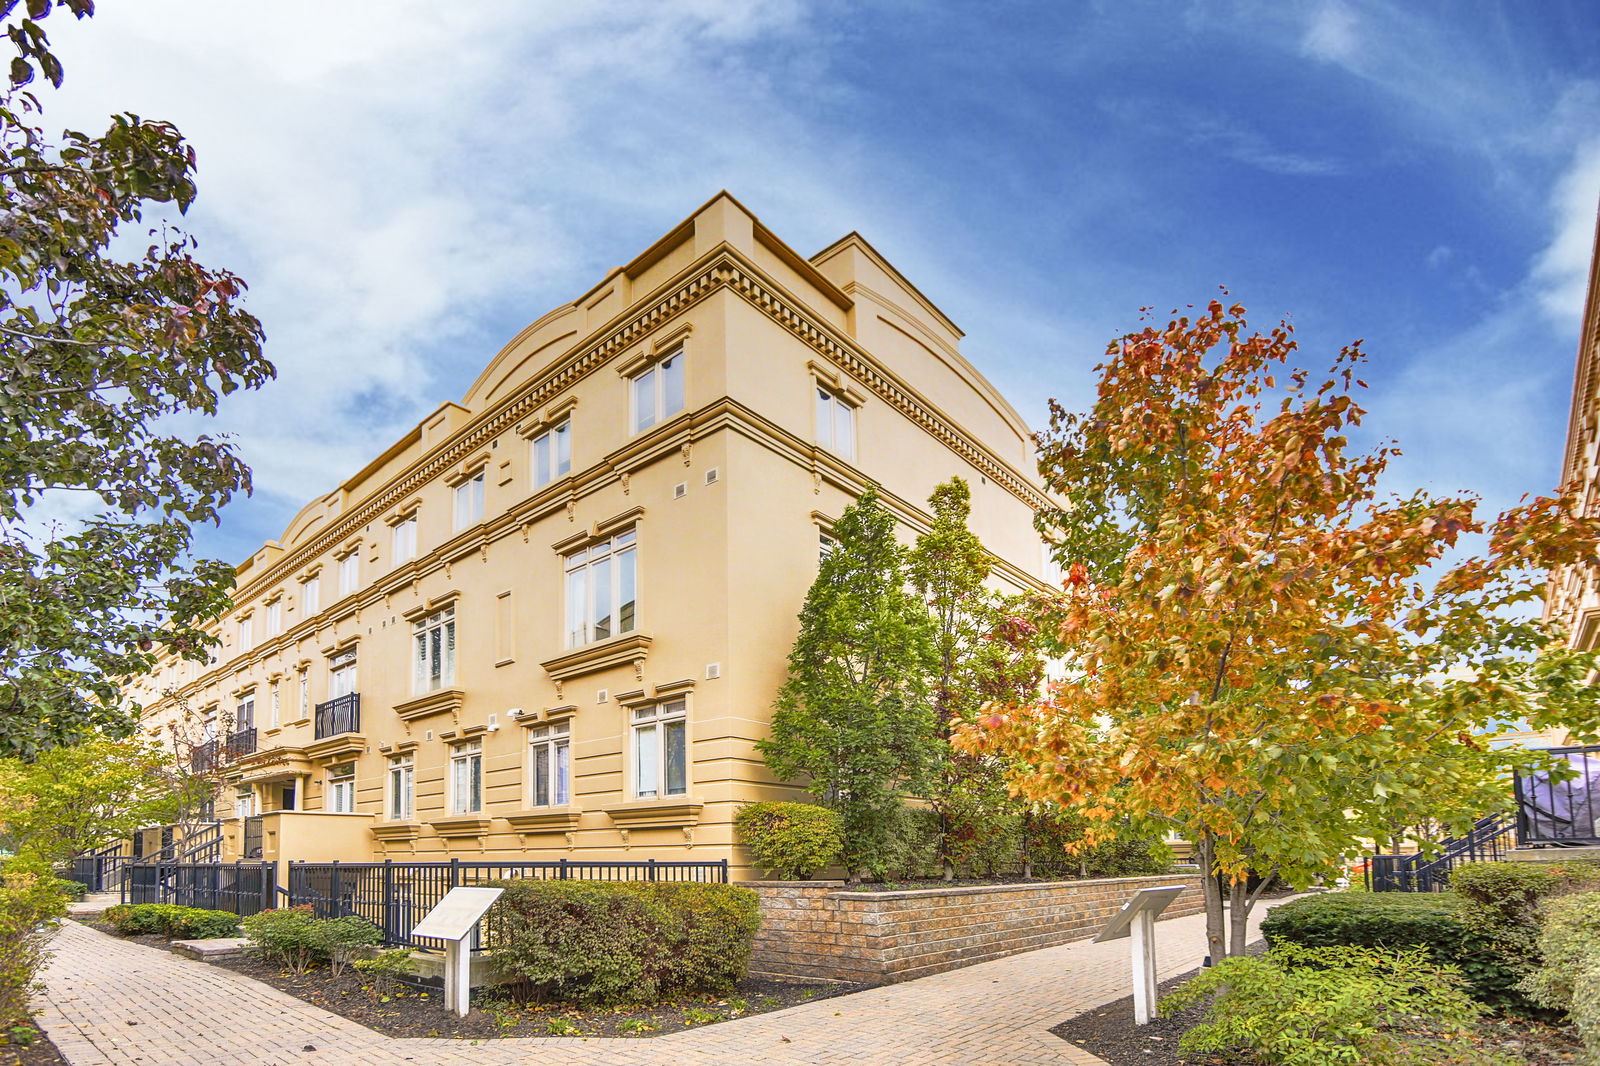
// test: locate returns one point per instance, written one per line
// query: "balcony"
(217, 753)
(339, 715)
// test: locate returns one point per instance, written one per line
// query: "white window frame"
(400, 801)
(350, 573)
(275, 704)
(433, 652)
(305, 693)
(612, 562)
(341, 795)
(274, 618)
(311, 596)
(550, 777)
(468, 500)
(342, 674)
(550, 453)
(244, 802)
(403, 539)
(835, 422)
(466, 777)
(653, 391)
(244, 713)
(247, 632)
(648, 761)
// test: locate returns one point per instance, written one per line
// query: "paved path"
(109, 1001)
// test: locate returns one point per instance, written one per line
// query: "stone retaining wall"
(813, 929)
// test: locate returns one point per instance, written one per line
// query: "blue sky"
(405, 185)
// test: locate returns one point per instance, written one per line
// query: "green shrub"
(1122, 856)
(1399, 921)
(913, 845)
(388, 969)
(141, 919)
(1568, 976)
(790, 839)
(196, 923)
(73, 890)
(30, 902)
(615, 942)
(1501, 900)
(341, 940)
(1299, 1006)
(288, 936)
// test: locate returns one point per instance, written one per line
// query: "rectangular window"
(245, 714)
(247, 633)
(350, 573)
(405, 540)
(466, 777)
(310, 596)
(342, 674)
(244, 802)
(469, 502)
(658, 392)
(825, 546)
(434, 641)
(275, 705)
(549, 764)
(342, 788)
(836, 424)
(660, 750)
(274, 618)
(552, 454)
(401, 781)
(305, 694)
(601, 590)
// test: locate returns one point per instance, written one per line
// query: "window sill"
(545, 819)
(602, 655)
(334, 747)
(395, 830)
(648, 814)
(462, 825)
(436, 702)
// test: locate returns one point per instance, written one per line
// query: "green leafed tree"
(103, 354)
(854, 720)
(978, 658)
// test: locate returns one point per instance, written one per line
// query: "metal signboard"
(456, 915)
(1137, 919)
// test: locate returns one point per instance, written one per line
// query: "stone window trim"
(830, 378)
(438, 603)
(468, 469)
(405, 512)
(602, 530)
(548, 419)
(659, 349)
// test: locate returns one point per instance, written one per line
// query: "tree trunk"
(1211, 889)
(1238, 915)
(949, 868)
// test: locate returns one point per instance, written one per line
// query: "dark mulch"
(1109, 1032)
(27, 1045)
(405, 1010)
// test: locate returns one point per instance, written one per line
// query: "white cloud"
(1331, 35)
(1561, 272)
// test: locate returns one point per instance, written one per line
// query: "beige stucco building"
(552, 619)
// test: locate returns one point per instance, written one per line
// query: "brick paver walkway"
(108, 1001)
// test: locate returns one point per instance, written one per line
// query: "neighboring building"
(551, 621)
(1573, 595)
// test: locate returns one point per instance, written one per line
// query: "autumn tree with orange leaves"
(1263, 651)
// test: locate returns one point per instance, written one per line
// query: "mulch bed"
(1109, 1032)
(39, 1051)
(419, 1010)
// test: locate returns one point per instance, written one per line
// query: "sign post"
(454, 919)
(1138, 919)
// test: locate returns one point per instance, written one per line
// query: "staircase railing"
(1489, 839)
(204, 845)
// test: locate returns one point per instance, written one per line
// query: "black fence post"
(724, 865)
(333, 891)
(652, 869)
(389, 931)
(455, 873)
(564, 870)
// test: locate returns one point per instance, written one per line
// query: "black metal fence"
(244, 888)
(207, 757)
(342, 714)
(1489, 840)
(1550, 811)
(395, 895)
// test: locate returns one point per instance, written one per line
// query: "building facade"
(551, 621)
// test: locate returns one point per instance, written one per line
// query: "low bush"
(793, 840)
(1049, 836)
(171, 921)
(1568, 976)
(342, 940)
(288, 936)
(31, 901)
(598, 942)
(1400, 921)
(388, 969)
(1300, 1006)
(1501, 900)
(74, 890)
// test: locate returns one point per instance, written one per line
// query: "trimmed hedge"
(1398, 921)
(605, 942)
(1568, 978)
(171, 921)
(791, 839)
(1503, 900)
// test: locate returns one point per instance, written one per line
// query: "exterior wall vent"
(713, 476)
(602, 695)
(494, 723)
(713, 671)
(680, 490)
(427, 734)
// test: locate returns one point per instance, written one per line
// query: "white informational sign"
(1137, 919)
(453, 919)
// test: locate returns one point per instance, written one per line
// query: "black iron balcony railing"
(1561, 812)
(214, 753)
(339, 715)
